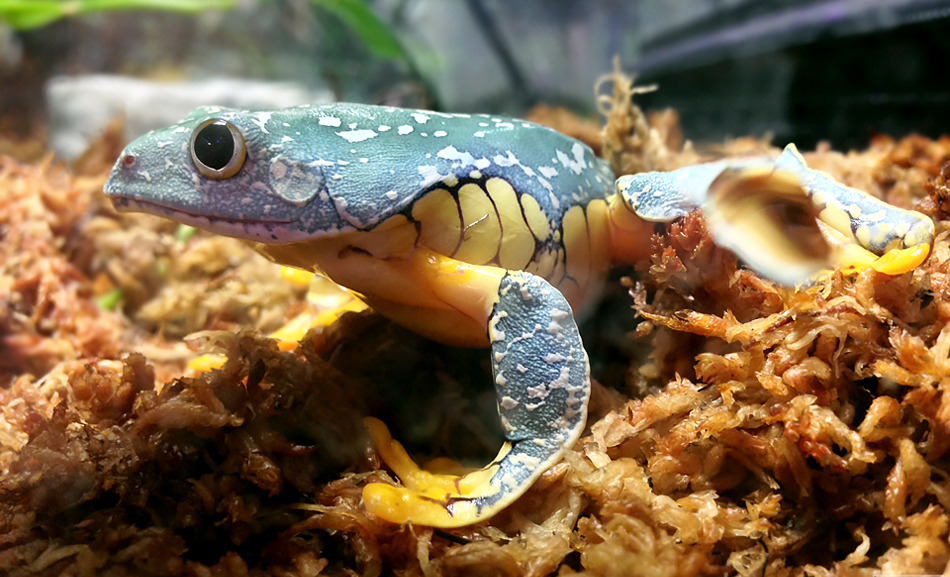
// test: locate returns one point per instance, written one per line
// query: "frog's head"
(237, 173)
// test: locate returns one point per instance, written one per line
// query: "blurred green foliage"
(27, 14)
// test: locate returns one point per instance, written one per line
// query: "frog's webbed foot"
(542, 381)
(761, 214)
(786, 221)
(864, 231)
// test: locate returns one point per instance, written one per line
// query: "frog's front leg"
(542, 383)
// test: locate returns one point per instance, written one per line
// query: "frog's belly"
(443, 325)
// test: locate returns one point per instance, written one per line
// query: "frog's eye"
(217, 149)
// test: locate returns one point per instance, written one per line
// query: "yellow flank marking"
(394, 238)
(517, 241)
(545, 264)
(439, 214)
(863, 235)
(597, 217)
(537, 220)
(577, 245)
(910, 239)
(481, 231)
(557, 275)
(837, 219)
(855, 211)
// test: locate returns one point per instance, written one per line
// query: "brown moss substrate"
(757, 431)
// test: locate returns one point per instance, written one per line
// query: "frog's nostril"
(129, 160)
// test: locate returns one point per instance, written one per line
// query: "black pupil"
(214, 146)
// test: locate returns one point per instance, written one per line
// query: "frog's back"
(483, 189)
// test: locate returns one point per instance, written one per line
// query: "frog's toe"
(852, 258)
(426, 498)
(900, 260)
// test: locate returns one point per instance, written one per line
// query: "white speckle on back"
(364, 160)
(482, 163)
(286, 139)
(479, 134)
(512, 160)
(459, 159)
(578, 164)
(392, 195)
(260, 119)
(547, 171)
(341, 205)
(353, 125)
(483, 124)
(420, 117)
(405, 129)
(430, 175)
(329, 121)
(439, 133)
(383, 128)
(357, 135)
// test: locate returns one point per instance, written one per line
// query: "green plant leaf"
(363, 21)
(27, 14)
(184, 232)
(111, 300)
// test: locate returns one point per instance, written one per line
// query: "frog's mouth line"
(271, 231)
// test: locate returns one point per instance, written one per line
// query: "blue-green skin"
(317, 171)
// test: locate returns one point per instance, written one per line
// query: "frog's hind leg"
(326, 302)
(542, 382)
(867, 231)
